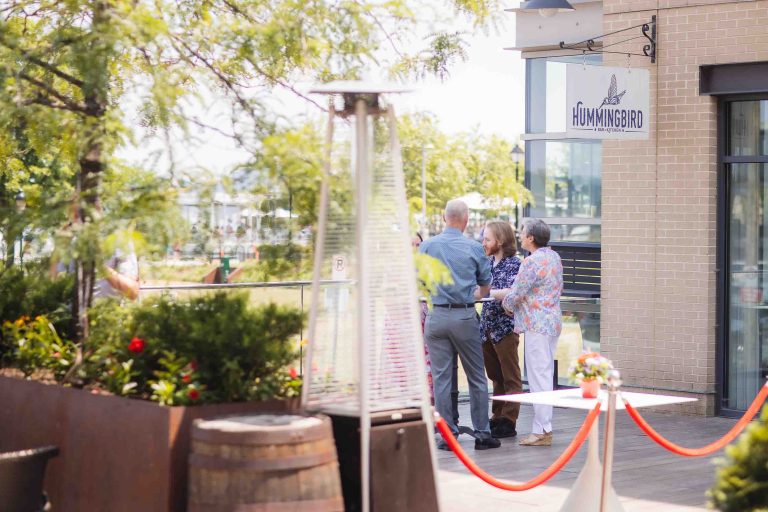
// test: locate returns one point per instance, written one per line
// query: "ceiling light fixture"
(548, 8)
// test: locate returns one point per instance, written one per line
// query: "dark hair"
(539, 230)
(505, 235)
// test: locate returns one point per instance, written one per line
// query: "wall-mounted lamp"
(548, 8)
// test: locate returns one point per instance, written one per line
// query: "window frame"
(529, 138)
(722, 265)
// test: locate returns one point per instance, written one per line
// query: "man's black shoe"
(494, 422)
(503, 428)
(487, 443)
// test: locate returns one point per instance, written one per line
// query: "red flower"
(57, 355)
(136, 345)
(193, 394)
(293, 373)
(186, 378)
(193, 365)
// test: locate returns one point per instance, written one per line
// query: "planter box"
(117, 454)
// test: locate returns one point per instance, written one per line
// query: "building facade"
(681, 216)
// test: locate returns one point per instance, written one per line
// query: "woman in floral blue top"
(535, 302)
(502, 363)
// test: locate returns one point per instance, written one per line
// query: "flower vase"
(589, 388)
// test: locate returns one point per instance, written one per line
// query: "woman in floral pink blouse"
(535, 301)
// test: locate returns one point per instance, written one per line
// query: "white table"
(586, 491)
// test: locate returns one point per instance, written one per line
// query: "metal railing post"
(614, 382)
(301, 335)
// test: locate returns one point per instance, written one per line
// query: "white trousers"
(539, 369)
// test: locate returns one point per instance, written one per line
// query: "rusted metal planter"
(117, 454)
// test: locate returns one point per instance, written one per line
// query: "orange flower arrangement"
(590, 366)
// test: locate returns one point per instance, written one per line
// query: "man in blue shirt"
(453, 326)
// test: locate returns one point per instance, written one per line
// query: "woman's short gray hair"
(539, 230)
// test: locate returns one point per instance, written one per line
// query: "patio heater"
(365, 359)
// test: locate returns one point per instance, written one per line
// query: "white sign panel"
(339, 267)
(606, 103)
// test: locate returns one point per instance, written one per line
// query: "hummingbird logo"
(612, 98)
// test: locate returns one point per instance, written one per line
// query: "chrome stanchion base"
(585, 493)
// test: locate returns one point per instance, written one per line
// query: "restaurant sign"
(606, 103)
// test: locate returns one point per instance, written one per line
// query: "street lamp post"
(424, 183)
(21, 204)
(517, 155)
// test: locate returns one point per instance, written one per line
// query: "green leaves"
(34, 347)
(205, 349)
(742, 477)
(456, 165)
(431, 273)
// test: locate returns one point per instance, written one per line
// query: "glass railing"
(581, 316)
(289, 293)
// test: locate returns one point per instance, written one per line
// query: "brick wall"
(659, 196)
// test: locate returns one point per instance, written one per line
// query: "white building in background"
(235, 223)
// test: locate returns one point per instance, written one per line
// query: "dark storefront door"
(744, 250)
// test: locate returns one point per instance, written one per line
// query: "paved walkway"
(646, 476)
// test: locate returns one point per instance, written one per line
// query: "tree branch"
(73, 105)
(42, 100)
(228, 83)
(45, 65)
(284, 85)
(238, 11)
(386, 33)
(206, 126)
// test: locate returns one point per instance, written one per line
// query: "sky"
(484, 94)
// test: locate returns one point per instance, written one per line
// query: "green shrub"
(34, 346)
(742, 478)
(32, 293)
(213, 348)
(207, 349)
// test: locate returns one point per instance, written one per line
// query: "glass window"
(574, 232)
(565, 179)
(747, 350)
(747, 125)
(546, 92)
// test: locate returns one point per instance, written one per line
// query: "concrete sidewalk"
(645, 476)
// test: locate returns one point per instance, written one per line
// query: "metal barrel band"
(317, 432)
(284, 463)
(328, 504)
(754, 408)
(545, 475)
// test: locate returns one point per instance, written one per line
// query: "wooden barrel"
(276, 462)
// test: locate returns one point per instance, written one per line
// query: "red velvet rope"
(710, 448)
(548, 473)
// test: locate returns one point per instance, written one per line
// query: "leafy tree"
(424, 144)
(492, 172)
(292, 159)
(290, 162)
(35, 169)
(456, 165)
(69, 68)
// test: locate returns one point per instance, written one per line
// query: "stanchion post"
(614, 382)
